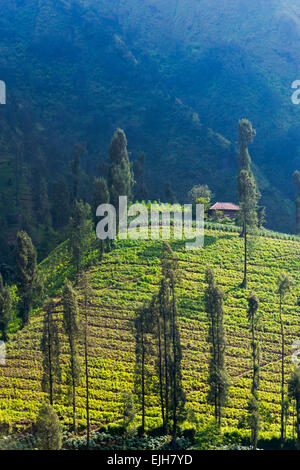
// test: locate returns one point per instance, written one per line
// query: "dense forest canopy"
(176, 79)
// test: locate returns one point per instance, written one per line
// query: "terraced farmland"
(128, 276)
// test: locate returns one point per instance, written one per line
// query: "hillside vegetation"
(122, 281)
(176, 79)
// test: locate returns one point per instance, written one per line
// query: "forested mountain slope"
(175, 78)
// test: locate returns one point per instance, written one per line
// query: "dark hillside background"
(175, 75)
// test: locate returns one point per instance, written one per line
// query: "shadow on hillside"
(209, 240)
(226, 236)
(212, 239)
(155, 250)
(237, 288)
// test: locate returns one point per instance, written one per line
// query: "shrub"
(49, 431)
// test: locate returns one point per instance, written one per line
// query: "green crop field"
(125, 278)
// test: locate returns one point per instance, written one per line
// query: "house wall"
(228, 213)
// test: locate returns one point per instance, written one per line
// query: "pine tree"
(60, 204)
(42, 204)
(253, 406)
(247, 188)
(80, 230)
(49, 432)
(78, 151)
(158, 338)
(50, 348)
(39, 192)
(5, 309)
(71, 328)
(100, 196)
(296, 179)
(246, 136)
(284, 284)
(128, 410)
(218, 378)
(261, 216)
(140, 188)
(248, 211)
(143, 349)
(170, 194)
(120, 177)
(163, 312)
(87, 294)
(170, 272)
(164, 323)
(294, 393)
(27, 276)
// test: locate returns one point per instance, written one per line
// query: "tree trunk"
(219, 408)
(255, 439)
(143, 385)
(298, 423)
(282, 374)
(244, 283)
(161, 379)
(297, 203)
(73, 388)
(166, 370)
(213, 339)
(50, 364)
(26, 304)
(87, 380)
(74, 404)
(174, 433)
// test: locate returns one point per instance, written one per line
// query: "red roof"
(224, 206)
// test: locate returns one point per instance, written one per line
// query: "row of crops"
(128, 276)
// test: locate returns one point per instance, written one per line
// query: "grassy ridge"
(129, 275)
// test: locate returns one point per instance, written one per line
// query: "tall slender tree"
(50, 348)
(5, 309)
(60, 204)
(164, 320)
(158, 336)
(140, 188)
(164, 317)
(143, 349)
(80, 230)
(27, 276)
(218, 377)
(246, 137)
(41, 201)
(71, 327)
(294, 393)
(284, 285)
(248, 212)
(261, 216)
(254, 415)
(170, 194)
(120, 176)
(78, 151)
(100, 196)
(296, 179)
(247, 188)
(87, 295)
(170, 270)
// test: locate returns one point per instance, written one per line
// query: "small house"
(228, 209)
